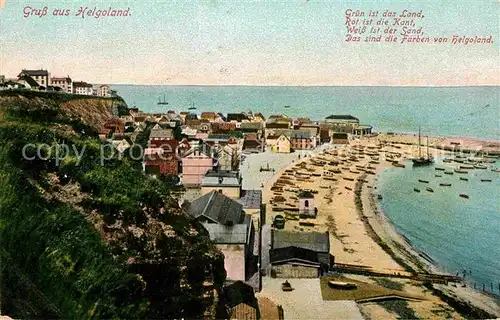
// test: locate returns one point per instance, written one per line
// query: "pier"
(419, 276)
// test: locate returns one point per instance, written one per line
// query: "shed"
(294, 262)
(241, 302)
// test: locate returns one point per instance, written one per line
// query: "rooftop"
(251, 199)
(306, 194)
(31, 73)
(218, 208)
(162, 133)
(316, 241)
(81, 84)
(293, 253)
(221, 178)
(238, 293)
(222, 234)
(341, 117)
(300, 134)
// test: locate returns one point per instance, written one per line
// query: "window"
(306, 203)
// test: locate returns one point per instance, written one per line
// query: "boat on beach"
(342, 285)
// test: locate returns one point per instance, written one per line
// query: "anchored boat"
(463, 195)
(421, 160)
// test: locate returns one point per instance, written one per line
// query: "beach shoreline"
(377, 243)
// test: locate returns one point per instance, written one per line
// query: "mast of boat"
(427, 151)
(419, 153)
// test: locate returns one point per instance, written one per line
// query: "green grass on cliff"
(91, 240)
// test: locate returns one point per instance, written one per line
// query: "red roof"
(168, 145)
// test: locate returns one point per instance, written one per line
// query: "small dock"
(419, 276)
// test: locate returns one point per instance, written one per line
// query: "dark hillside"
(85, 240)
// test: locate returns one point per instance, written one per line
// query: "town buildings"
(40, 79)
(196, 162)
(299, 254)
(65, 83)
(229, 228)
(279, 144)
(241, 302)
(226, 182)
(83, 88)
(41, 76)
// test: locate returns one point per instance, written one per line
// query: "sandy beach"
(342, 179)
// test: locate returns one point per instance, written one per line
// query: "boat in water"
(162, 102)
(416, 189)
(439, 169)
(438, 176)
(461, 171)
(397, 164)
(445, 184)
(485, 180)
(478, 166)
(463, 195)
(423, 181)
(464, 179)
(429, 189)
(422, 160)
(466, 167)
(287, 107)
(448, 172)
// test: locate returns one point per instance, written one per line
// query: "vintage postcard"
(250, 159)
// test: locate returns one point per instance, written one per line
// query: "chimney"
(221, 179)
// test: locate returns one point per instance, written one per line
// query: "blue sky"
(287, 42)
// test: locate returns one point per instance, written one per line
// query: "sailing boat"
(421, 160)
(162, 102)
(192, 107)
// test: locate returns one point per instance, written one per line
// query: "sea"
(460, 235)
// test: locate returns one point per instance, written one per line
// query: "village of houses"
(223, 163)
(43, 80)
